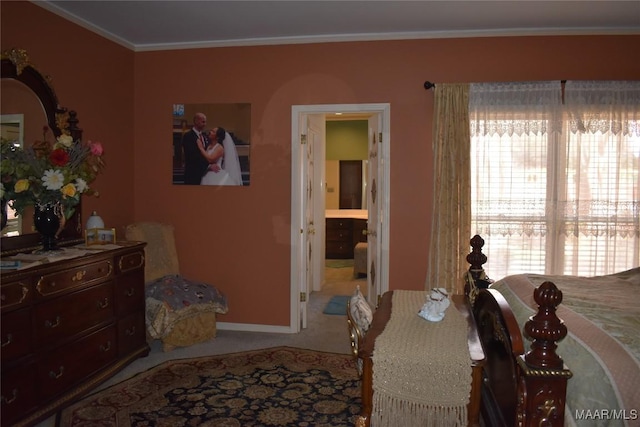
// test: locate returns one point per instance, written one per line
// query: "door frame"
(298, 115)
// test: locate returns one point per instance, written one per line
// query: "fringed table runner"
(421, 369)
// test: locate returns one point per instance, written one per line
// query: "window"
(555, 187)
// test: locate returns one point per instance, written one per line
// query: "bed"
(582, 366)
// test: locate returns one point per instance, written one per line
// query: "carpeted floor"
(281, 386)
(339, 263)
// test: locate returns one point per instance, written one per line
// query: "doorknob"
(368, 232)
(311, 230)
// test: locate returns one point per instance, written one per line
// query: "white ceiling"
(162, 24)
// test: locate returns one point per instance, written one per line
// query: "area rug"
(281, 386)
(337, 305)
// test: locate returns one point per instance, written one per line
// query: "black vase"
(48, 219)
(4, 214)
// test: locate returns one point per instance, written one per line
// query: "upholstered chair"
(179, 312)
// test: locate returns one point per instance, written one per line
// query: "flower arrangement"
(48, 173)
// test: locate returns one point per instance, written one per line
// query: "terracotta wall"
(238, 239)
(93, 76)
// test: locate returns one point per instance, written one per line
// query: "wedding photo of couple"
(207, 155)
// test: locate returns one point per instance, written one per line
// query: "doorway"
(307, 200)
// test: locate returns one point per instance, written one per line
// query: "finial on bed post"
(476, 258)
(545, 328)
(542, 388)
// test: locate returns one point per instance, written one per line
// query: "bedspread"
(602, 348)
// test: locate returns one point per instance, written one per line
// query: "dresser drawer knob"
(105, 347)
(103, 304)
(130, 331)
(8, 341)
(78, 276)
(57, 375)
(53, 324)
(14, 396)
(130, 292)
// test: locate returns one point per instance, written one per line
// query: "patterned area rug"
(281, 386)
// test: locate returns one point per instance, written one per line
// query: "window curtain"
(512, 124)
(555, 187)
(451, 220)
(601, 205)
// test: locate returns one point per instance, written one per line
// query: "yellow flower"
(21, 185)
(69, 190)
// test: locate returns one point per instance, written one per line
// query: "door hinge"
(303, 139)
(380, 137)
(303, 297)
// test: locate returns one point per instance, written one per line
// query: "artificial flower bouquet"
(48, 173)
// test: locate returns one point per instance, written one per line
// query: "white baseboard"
(247, 327)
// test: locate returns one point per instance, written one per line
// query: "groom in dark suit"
(195, 165)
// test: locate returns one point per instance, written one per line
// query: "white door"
(374, 182)
(307, 136)
(312, 141)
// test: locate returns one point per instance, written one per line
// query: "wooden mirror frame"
(16, 66)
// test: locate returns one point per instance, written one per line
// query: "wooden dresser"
(66, 327)
(343, 234)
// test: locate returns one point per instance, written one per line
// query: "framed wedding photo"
(100, 236)
(211, 144)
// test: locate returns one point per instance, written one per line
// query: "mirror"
(29, 94)
(12, 130)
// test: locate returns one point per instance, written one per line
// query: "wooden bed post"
(476, 258)
(543, 377)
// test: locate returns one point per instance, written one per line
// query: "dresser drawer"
(73, 313)
(339, 223)
(70, 364)
(16, 334)
(129, 291)
(59, 281)
(19, 395)
(16, 294)
(338, 250)
(131, 334)
(339, 235)
(131, 261)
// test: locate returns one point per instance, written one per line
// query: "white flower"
(53, 179)
(81, 185)
(65, 140)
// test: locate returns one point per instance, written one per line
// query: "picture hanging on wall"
(211, 144)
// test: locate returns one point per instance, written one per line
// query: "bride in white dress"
(224, 165)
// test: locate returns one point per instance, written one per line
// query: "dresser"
(342, 236)
(67, 326)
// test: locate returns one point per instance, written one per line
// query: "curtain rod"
(428, 85)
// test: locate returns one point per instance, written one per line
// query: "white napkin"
(437, 302)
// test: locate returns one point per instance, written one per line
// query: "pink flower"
(96, 148)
